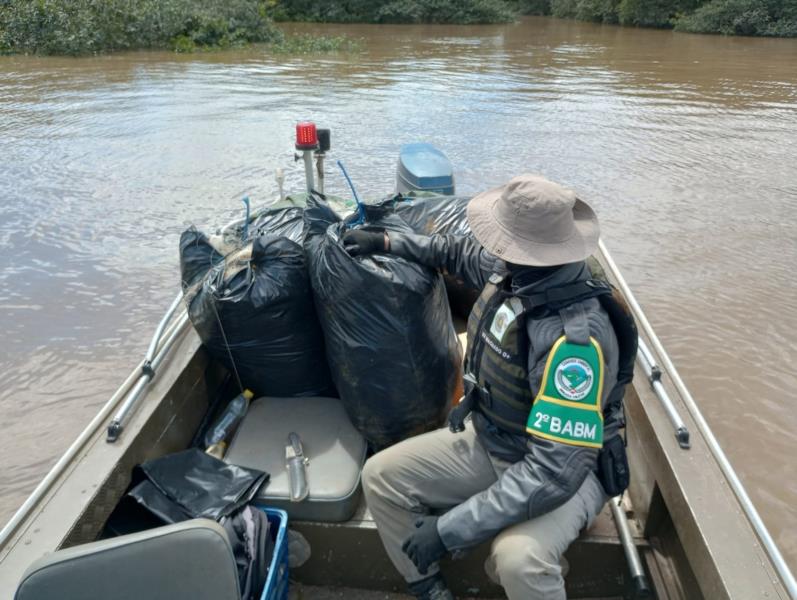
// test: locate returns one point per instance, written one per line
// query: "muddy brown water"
(686, 146)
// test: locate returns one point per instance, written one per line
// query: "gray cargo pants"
(438, 470)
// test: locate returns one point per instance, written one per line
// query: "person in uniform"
(533, 445)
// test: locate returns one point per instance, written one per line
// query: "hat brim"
(520, 249)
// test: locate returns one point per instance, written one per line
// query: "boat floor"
(308, 592)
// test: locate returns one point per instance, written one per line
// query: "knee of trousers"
(517, 556)
(376, 472)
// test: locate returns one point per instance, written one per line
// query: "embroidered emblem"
(574, 378)
(503, 318)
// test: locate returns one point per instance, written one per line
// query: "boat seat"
(190, 560)
(335, 450)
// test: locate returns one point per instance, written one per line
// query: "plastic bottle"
(217, 450)
(229, 420)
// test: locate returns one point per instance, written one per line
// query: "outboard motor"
(423, 168)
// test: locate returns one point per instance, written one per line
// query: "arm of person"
(547, 477)
(459, 256)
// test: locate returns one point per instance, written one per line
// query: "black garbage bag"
(283, 222)
(391, 346)
(192, 484)
(445, 215)
(254, 312)
(434, 214)
(197, 257)
(196, 485)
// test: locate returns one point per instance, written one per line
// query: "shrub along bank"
(86, 26)
(395, 11)
(742, 17)
(730, 17)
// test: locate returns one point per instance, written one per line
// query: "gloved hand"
(424, 547)
(460, 411)
(363, 241)
(458, 414)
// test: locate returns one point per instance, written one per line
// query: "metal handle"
(641, 585)
(296, 443)
(149, 367)
(296, 463)
(654, 377)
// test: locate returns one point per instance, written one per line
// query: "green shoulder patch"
(567, 408)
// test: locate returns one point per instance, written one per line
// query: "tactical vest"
(498, 354)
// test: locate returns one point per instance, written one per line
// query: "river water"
(685, 145)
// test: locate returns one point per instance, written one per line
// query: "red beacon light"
(306, 136)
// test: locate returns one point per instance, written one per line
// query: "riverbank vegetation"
(395, 11)
(87, 26)
(729, 17)
(92, 26)
(77, 27)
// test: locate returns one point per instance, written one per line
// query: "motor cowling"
(424, 168)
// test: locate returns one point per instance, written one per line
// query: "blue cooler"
(276, 587)
(423, 168)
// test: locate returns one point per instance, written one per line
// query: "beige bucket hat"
(533, 221)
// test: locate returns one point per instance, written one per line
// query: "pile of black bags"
(391, 345)
(375, 330)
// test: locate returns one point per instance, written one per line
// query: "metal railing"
(641, 585)
(653, 373)
(771, 548)
(158, 350)
(148, 368)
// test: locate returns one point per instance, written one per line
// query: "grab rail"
(653, 373)
(171, 333)
(716, 450)
(638, 576)
(150, 365)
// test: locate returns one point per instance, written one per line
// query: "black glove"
(363, 241)
(424, 547)
(460, 411)
(458, 414)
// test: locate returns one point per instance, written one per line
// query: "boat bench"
(351, 554)
(192, 560)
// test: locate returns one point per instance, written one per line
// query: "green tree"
(395, 11)
(599, 11)
(743, 17)
(88, 26)
(531, 7)
(653, 13)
